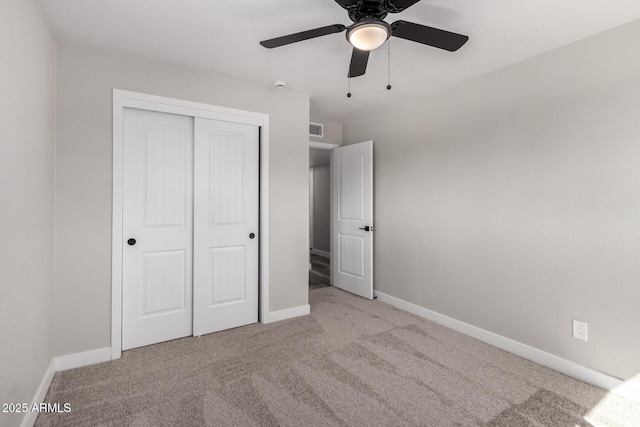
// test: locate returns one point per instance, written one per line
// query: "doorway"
(349, 211)
(320, 215)
(213, 242)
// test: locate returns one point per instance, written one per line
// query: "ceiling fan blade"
(303, 35)
(359, 59)
(347, 3)
(427, 35)
(395, 6)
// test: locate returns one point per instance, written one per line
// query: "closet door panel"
(157, 227)
(226, 235)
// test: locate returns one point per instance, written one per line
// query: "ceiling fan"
(369, 31)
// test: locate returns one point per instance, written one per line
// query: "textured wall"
(27, 82)
(512, 202)
(86, 78)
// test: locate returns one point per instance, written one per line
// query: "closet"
(190, 226)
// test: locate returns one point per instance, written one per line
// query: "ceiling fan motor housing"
(363, 9)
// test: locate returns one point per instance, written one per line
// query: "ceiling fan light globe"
(368, 36)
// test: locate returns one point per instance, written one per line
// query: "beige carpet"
(352, 362)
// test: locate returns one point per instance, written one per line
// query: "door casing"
(127, 99)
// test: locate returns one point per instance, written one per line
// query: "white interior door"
(226, 225)
(352, 218)
(157, 227)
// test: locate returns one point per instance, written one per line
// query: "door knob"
(131, 242)
(251, 236)
(366, 228)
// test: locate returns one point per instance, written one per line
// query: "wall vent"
(316, 129)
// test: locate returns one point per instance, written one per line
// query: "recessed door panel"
(164, 283)
(157, 227)
(351, 255)
(351, 189)
(229, 280)
(226, 187)
(166, 177)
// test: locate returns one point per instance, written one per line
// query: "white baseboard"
(86, 358)
(62, 363)
(318, 252)
(30, 417)
(549, 360)
(289, 313)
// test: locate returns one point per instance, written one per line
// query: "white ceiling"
(221, 37)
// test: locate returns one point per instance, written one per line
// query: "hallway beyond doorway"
(319, 273)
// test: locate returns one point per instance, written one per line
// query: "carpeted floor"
(351, 362)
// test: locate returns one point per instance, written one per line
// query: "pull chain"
(389, 64)
(348, 87)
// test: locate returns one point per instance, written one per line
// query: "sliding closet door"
(226, 225)
(157, 227)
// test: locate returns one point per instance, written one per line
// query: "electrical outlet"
(580, 330)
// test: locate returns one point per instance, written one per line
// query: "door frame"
(323, 145)
(126, 99)
(312, 206)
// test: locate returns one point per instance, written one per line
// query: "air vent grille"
(316, 129)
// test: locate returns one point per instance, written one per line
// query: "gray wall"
(512, 202)
(27, 79)
(84, 176)
(322, 208)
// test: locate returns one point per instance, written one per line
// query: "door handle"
(366, 228)
(131, 242)
(251, 236)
